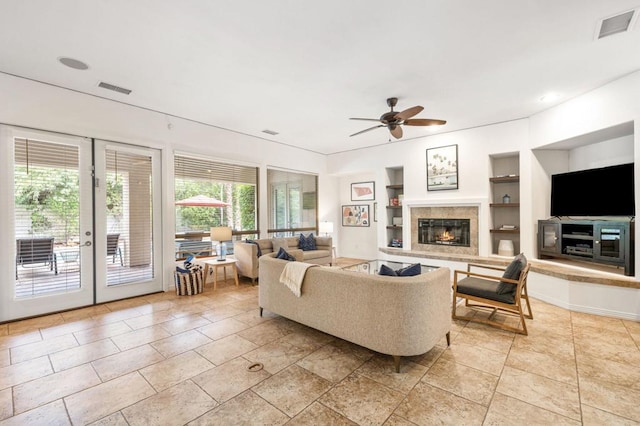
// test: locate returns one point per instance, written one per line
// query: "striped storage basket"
(188, 284)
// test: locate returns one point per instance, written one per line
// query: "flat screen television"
(606, 191)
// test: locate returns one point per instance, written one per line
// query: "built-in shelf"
(504, 179)
(394, 207)
(505, 231)
(504, 205)
(395, 190)
(394, 226)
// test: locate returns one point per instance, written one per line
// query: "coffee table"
(216, 264)
(373, 266)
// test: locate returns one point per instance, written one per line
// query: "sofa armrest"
(246, 255)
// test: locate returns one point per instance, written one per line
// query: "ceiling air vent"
(114, 88)
(616, 24)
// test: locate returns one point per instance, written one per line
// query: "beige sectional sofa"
(398, 316)
(246, 254)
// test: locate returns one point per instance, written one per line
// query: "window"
(292, 202)
(226, 196)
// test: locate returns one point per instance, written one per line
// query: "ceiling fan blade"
(396, 131)
(365, 119)
(424, 122)
(409, 112)
(366, 130)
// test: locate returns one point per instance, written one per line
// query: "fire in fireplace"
(451, 232)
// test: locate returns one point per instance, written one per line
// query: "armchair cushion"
(513, 273)
(484, 288)
(307, 243)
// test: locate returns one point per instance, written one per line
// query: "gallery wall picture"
(442, 168)
(363, 191)
(355, 215)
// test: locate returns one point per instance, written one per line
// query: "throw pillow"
(282, 254)
(512, 272)
(385, 270)
(279, 243)
(410, 270)
(307, 243)
(248, 241)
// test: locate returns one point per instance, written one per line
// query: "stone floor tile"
(33, 324)
(6, 403)
(245, 409)
(318, 414)
(101, 332)
(609, 397)
(176, 405)
(23, 372)
(222, 350)
(276, 356)
(42, 347)
(44, 390)
(179, 343)
(505, 410)
(104, 399)
(556, 367)
(182, 324)
(14, 340)
(172, 371)
(332, 362)
(149, 319)
(115, 419)
(560, 398)
(381, 369)
(73, 357)
(266, 332)
(466, 382)
(428, 405)
(480, 358)
(362, 400)
(230, 379)
(221, 312)
(292, 389)
(594, 417)
(67, 328)
(121, 363)
(5, 359)
(484, 336)
(140, 337)
(219, 329)
(622, 374)
(52, 414)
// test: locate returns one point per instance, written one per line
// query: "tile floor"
(169, 360)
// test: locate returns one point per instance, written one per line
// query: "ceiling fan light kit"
(392, 120)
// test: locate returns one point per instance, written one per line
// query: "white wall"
(39, 106)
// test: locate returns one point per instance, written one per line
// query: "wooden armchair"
(488, 290)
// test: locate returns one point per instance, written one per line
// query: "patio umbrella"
(201, 201)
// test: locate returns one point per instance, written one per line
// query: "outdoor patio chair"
(113, 248)
(504, 293)
(32, 251)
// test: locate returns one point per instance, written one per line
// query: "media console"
(608, 242)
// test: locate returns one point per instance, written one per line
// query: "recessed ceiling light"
(270, 132)
(550, 97)
(73, 63)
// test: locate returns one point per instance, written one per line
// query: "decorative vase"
(506, 199)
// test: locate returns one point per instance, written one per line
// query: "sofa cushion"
(307, 243)
(512, 272)
(279, 243)
(282, 254)
(407, 271)
(385, 270)
(410, 271)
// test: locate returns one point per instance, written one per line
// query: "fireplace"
(444, 232)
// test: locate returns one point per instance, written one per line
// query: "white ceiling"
(303, 68)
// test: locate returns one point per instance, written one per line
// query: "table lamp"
(220, 234)
(326, 228)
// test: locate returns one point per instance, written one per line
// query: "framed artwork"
(375, 212)
(363, 191)
(355, 215)
(442, 168)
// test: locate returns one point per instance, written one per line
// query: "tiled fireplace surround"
(470, 212)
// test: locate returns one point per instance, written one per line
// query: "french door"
(81, 221)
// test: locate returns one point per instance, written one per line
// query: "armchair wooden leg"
(261, 311)
(448, 338)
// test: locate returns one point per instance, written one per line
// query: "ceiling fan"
(393, 119)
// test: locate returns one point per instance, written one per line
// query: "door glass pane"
(610, 242)
(47, 224)
(129, 217)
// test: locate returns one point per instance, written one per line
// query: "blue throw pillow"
(385, 270)
(282, 254)
(307, 243)
(257, 245)
(410, 270)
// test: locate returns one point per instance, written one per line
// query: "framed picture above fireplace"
(355, 215)
(442, 168)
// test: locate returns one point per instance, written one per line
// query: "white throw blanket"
(293, 275)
